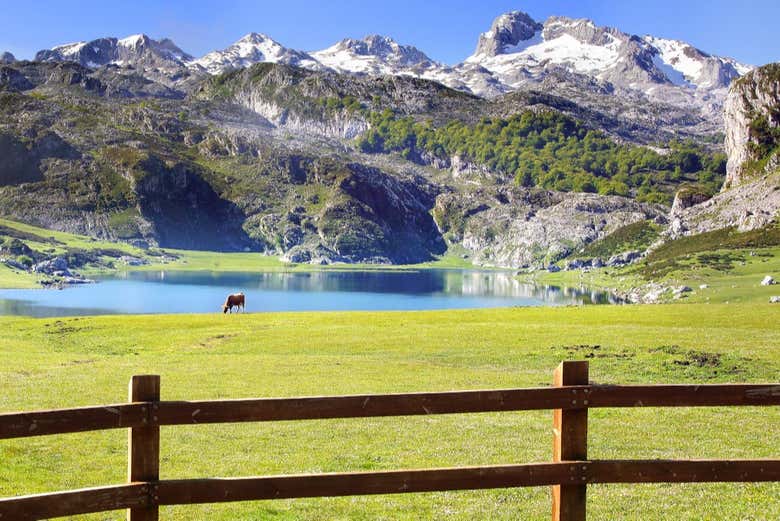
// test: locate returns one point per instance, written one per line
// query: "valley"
(398, 224)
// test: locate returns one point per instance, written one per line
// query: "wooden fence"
(569, 473)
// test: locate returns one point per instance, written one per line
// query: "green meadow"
(50, 363)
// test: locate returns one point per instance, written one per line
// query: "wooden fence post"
(143, 449)
(570, 442)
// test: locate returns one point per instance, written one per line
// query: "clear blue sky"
(447, 30)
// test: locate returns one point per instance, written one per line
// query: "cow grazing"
(234, 301)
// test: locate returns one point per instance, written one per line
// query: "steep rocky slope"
(506, 226)
(753, 125)
(751, 192)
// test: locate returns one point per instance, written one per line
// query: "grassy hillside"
(105, 254)
(731, 264)
(81, 361)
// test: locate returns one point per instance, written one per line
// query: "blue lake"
(204, 292)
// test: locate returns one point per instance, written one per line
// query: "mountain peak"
(134, 40)
(7, 57)
(507, 30)
(138, 49)
(250, 49)
(373, 53)
(254, 37)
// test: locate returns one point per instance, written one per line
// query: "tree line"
(550, 150)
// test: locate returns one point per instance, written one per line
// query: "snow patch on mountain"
(69, 49)
(373, 54)
(252, 48)
(132, 41)
(672, 74)
(564, 50)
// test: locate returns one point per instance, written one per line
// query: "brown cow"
(236, 300)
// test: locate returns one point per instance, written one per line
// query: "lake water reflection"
(204, 292)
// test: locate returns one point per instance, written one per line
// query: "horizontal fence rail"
(123, 416)
(569, 473)
(215, 490)
(75, 502)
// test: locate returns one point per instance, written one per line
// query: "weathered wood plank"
(570, 397)
(143, 444)
(61, 421)
(570, 442)
(683, 395)
(190, 491)
(309, 408)
(120, 416)
(74, 502)
(680, 471)
(217, 490)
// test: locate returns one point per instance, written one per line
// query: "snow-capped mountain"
(7, 57)
(686, 65)
(517, 48)
(138, 51)
(379, 55)
(573, 58)
(253, 48)
(373, 54)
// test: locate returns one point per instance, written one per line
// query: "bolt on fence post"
(143, 446)
(570, 442)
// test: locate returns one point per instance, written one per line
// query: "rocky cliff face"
(185, 211)
(507, 31)
(750, 198)
(752, 119)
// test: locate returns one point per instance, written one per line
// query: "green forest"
(550, 150)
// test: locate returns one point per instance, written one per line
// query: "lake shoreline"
(174, 291)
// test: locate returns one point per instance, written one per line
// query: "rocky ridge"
(560, 56)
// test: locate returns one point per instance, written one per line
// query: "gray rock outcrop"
(56, 267)
(750, 198)
(752, 118)
(506, 31)
(518, 227)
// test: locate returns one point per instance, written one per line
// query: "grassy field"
(81, 361)
(13, 279)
